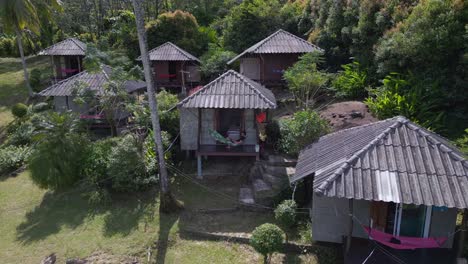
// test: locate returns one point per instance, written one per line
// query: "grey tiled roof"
(393, 160)
(134, 85)
(231, 90)
(170, 52)
(95, 81)
(70, 46)
(280, 42)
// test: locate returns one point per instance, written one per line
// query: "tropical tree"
(305, 80)
(250, 22)
(57, 159)
(180, 28)
(168, 203)
(20, 15)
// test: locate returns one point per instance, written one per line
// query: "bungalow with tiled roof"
(393, 181)
(267, 60)
(174, 67)
(222, 118)
(66, 57)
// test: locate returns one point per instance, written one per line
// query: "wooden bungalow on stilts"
(392, 184)
(223, 117)
(174, 68)
(63, 96)
(266, 61)
(66, 58)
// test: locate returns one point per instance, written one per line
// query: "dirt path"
(347, 114)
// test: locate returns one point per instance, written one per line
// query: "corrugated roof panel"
(170, 52)
(404, 163)
(231, 90)
(94, 81)
(280, 42)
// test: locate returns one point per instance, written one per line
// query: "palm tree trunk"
(167, 201)
(19, 40)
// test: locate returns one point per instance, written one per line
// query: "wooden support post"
(54, 68)
(79, 63)
(350, 226)
(199, 167)
(462, 236)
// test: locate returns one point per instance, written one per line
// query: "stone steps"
(267, 178)
(277, 160)
(246, 196)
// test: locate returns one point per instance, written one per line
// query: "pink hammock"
(404, 242)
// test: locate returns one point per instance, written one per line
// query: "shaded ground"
(347, 114)
(36, 223)
(362, 249)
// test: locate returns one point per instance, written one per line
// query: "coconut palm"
(20, 15)
(167, 201)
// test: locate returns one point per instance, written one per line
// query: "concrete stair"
(267, 179)
(246, 196)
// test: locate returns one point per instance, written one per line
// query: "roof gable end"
(170, 52)
(67, 47)
(231, 90)
(280, 41)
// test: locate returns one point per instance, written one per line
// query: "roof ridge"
(60, 42)
(450, 149)
(79, 45)
(63, 81)
(298, 38)
(399, 121)
(351, 128)
(263, 41)
(185, 53)
(222, 76)
(249, 82)
(203, 88)
(346, 165)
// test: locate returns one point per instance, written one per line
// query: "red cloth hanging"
(261, 117)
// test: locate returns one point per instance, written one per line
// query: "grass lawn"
(35, 223)
(12, 88)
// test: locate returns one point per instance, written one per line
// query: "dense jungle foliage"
(370, 46)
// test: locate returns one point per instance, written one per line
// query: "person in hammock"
(239, 141)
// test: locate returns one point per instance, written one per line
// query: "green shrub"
(305, 232)
(305, 80)
(462, 142)
(402, 95)
(40, 107)
(126, 166)
(351, 82)
(151, 159)
(285, 213)
(301, 130)
(214, 61)
(273, 133)
(58, 157)
(96, 163)
(21, 134)
(35, 79)
(12, 158)
(19, 110)
(8, 47)
(267, 239)
(169, 119)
